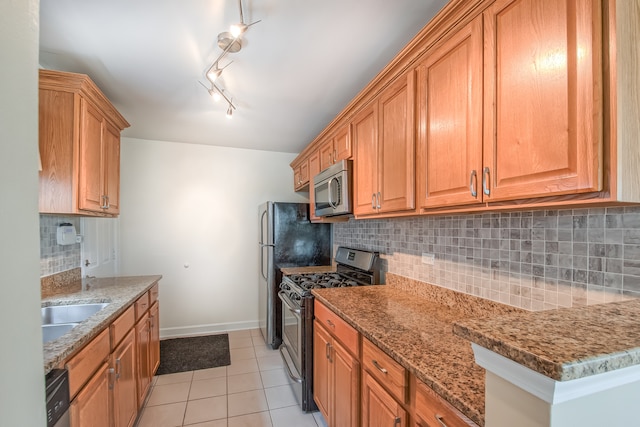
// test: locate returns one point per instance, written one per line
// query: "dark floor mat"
(191, 353)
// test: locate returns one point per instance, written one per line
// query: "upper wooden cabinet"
(384, 151)
(449, 102)
(543, 113)
(336, 148)
(79, 146)
(301, 175)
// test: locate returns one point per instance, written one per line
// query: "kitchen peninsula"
(585, 357)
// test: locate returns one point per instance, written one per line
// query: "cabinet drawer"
(340, 329)
(142, 305)
(432, 409)
(82, 366)
(153, 294)
(121, 326)
(387, 371)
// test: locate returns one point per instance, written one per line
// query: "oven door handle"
(284, 359)
(290, 306)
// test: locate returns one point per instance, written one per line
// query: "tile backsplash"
(56, 258)
(535, 260)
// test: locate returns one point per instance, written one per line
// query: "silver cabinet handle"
(473, 183)
(104, 202)
(331, 324)
(378, 204)
(335, 155)
(439, 419)
(111, 380)
(397, 421)
(380, 368)
(327, 351)
(373, 201)
(117, 369)
(485, 179)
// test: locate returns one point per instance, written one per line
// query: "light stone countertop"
(417, 332)
(563, 344)
(119, 292)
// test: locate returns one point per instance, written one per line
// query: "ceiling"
(298, 68)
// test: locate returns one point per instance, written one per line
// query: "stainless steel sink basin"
(76, 313)
(51, 332)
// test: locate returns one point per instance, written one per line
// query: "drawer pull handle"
(330, 323)
(380, 368)
(439, 419)
(111, 380)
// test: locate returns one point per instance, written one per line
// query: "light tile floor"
(251, 392)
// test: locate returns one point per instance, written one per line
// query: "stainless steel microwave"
(333, 190)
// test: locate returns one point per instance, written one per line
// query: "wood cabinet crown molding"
(81, 84)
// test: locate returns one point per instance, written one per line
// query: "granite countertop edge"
(563, 344)
(119, 292)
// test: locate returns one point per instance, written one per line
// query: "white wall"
(22, 378)
(196, 205)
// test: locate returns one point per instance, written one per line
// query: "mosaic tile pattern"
(535, 260)
(55, 258)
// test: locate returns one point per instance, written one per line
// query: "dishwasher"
(57, 392)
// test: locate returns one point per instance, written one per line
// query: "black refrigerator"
(287, 239)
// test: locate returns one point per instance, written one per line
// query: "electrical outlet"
(428, 258)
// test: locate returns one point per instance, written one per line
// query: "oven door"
(292, 324)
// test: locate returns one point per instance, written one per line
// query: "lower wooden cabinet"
(91, 407)
(123, 359)
(336, 380)
(154, 338)
(379, 408)
(107, 387)
(144, 368)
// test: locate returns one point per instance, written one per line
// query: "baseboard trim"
(195, 330)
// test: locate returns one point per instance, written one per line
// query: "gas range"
(354, 268)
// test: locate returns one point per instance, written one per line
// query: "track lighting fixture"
(230, 42)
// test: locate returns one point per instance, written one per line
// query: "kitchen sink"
(69, 314)
(51, 332)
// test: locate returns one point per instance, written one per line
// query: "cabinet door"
(543, 98)
(143, 357)
(379, 409)
(111, 153)
(449, 164)
(364, 134)
(396, 143)
(123, 361)
(346, 376)
(154, 338)
(91, 406)
(321, 369)
(91, 176)
(342, 144)
(326, 154)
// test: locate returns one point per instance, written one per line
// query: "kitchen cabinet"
(449, 103)
(384, 151)
(379, 408)
(301, 175)
(79, 141)
(336, 148)
(143, 360)
(543, 111)
(110, 377)
(336, 369)
(91, 407)
(432, 410)
(124, 396)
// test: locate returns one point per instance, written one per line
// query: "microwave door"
(322, 198)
